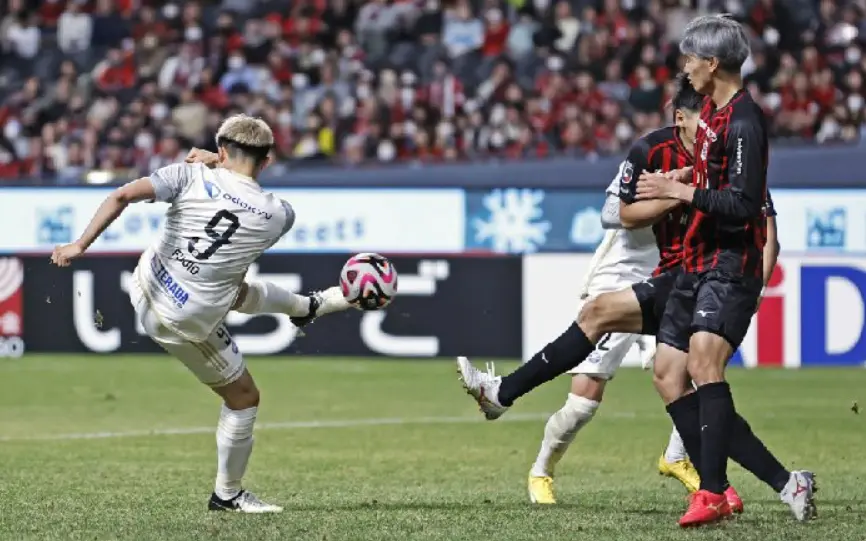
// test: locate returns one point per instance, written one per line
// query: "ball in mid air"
(369, 281)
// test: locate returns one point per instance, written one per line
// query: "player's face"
(700, 72)
(687, 122)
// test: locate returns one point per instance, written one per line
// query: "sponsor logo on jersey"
(214, 192)
(627, 172)
(191, 266)
(168, 285)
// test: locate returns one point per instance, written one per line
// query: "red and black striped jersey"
(727, 223)
(659, 150)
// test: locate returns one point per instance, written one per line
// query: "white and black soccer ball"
(369, 281)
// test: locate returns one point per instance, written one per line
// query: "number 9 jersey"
(218, 224)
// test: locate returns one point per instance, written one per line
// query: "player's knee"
(241, 393)
(708, 354)
(595, 318)
(590, 388)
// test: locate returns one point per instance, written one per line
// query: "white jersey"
(625, 256)
(218, 224)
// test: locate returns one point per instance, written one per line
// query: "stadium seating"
(125, 86)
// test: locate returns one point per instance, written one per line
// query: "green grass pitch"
(122, 447)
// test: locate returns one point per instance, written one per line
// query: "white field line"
(292, 425)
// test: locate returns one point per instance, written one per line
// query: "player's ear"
(679, 118)
(713, 64)
(222, 154)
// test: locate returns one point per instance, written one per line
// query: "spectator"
(568, 26)
(115, 73)
(182, 70)
(74, 29)
(463, 36)
(109, 27)
(238, 74)
(24, 37)
(189, 116)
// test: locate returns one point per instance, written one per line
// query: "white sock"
(560, 431)
(234, 438)
(676, 451)
(267, 298)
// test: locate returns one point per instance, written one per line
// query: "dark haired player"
(710, 307)
(626, 257)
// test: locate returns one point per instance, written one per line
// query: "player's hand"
(657, 186)
(63, 255)
(683, 176)
(198, 155)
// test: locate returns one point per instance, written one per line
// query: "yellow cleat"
(541, 490)
(681, 470)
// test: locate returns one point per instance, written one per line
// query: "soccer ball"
(369, 281)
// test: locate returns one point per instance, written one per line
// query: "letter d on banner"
(832, 309)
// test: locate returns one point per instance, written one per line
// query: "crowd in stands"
(129, 85)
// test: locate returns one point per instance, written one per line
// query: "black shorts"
(713, 301)
(652, 295)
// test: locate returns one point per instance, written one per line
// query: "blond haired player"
(218, 223)
(623, 258)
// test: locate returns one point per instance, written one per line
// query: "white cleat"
(245, 502)
(799, 494)
(483, 387)
(322, 303)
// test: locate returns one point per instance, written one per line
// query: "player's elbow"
(121, 196)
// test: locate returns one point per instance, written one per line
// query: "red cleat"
(734, 501)
(705, 508)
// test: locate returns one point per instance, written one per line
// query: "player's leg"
(260, 297)
(218, 363)
(721, 319)
(587, 390)
(609, 312)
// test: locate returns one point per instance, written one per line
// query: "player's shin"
(556, 358)
(560, 431)
(234, 438)
(717, 420)
(676, 449)
(685, 413)
(750, 452)
(268, 298)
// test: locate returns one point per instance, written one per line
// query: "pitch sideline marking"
(291, 425)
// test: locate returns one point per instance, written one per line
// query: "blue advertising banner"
(519, 221)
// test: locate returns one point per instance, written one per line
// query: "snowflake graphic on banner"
(514, 222)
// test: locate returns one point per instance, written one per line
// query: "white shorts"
(216, 361)
(608, 354)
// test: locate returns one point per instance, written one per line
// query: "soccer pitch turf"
(122, 447)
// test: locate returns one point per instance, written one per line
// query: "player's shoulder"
(746, 111)
(660, 136)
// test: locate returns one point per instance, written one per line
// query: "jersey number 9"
(217, 239)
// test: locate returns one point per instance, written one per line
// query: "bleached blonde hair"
(245, 131)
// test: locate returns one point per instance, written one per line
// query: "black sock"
(717, 422)
(557, 357)
(751, 453)
(686, 415)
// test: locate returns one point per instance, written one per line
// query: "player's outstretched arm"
(645, 213)
(108, 211)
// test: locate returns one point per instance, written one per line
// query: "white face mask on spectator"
(144, 141)
(409, 128)
(386, 151)
(12, 129)
(170, 11)
(624, 131)
(555, 63)
(771, 36)
(347, 107)
(159, 111)
(855, 102)
(852, 55)
(497, 114)
(497, 139)
(445, 130)
(192, 33)
(300, 81)
(363, 92)
(236, 62)
(317, 57)
(285, 118)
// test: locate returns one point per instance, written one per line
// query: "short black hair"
(686, 97)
